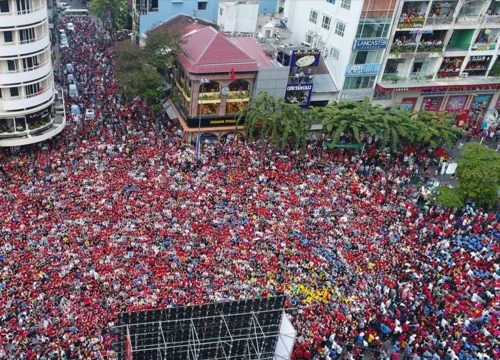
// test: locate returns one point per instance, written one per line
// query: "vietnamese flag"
(233, 76)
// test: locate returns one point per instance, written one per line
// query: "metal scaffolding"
(245, 330)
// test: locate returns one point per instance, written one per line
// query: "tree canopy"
(436, 129)
(161, 48)
(280, 122)
(479, 174)
(113, 13)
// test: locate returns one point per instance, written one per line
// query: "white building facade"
(328, 25)
(443, 56)
(27, 91)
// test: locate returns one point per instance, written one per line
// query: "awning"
(323, 83)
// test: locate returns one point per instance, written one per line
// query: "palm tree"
(397, 126)
(437, 129)
(349, 117)
(272, 118)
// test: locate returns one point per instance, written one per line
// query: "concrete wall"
(238, 17)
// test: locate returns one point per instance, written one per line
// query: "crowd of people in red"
(111, 216)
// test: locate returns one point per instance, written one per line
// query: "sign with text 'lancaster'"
(369, 44)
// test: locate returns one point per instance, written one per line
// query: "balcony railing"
(492, 19)
(21, 70)
(458, 47)
(429, 48)
(445, 74)
(391, 77)
(406, 23)
(238, 95)
(209, 98)
(23, 12)
(403, 48)
(439, 20)
(475, 72)
(418, 76)
(468, 19)
(28, 41)
(484, 46)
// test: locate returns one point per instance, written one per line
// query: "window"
(309, 39)
(27, 35)
(359, 82)
(346, 4)
(202, 5)
(30, 62)
(340, 29)
(4, 6)
(32, 89)
(11, 64)
(23, 6)
(153, 5)
(7, 36)
(334, 53)
(321, 45)
(313, 16)
(221, 11)
(14, 92)
(326, 22)
(330, 1)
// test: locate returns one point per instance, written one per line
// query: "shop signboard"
(432, 103)
(456, 103)
(41, 115)
(369, 44)
(363, 70)
(299, 94)
(356, 94)
(213, 121)
(408, 104)
(303, 65)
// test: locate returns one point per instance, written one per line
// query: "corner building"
(443, 56)
(27, 94)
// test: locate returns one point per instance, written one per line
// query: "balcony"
(492, 20)
(448, 74)
(439, 20)
(469, 19)
(18, 18)
(483, 47)
(401, 49)
(25, 47)
(429, 48)
(26, 75)
(19, 103)
(235, 96)
(209, 98)
(420, 77)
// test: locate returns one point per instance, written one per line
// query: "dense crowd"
(111, 216)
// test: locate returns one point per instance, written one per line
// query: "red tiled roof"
(182, 24)
(207, 51)
(251, 46)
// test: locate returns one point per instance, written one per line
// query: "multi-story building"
(328, 25)
(147, 14)
(443, 56)
(27, 113)
(368, 49)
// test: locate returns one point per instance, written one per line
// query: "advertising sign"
(356, 94)
(456, 103)
(213, 121)
(41, 115)
(369, 44)
(362, 70)
(299, 94)
(303, 64)
(408, 104)
(432, 103)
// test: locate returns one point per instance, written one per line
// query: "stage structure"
(244, 330)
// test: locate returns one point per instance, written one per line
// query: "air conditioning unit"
(306, 44)
(464, 74)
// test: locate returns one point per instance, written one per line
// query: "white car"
(64, 44)
(70, 26)
(89, 114)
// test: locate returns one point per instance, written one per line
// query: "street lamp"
(203, 81)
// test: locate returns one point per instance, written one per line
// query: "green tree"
(450, 197)
(113, 13)
(436, 129)
(397, 126)
(135, 77)
(351, 117)
(161, 48)
(479, 174)
(272, 118)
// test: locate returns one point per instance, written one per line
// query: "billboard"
(303, 65)
(369, 44)
(363, 70)
(41, 115)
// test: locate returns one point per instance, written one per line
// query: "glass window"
(335, 53)
(32, 89)
(346, 4)
(7, 36)
(340, 29)
(359, 82)
(309, 39)
(23, 6)
(12, 65)
(370, 28)
(366, 57)
(221, 11)
(14, 91)
(326, 22)
(153, 5)
(313, 16)
(330, 1)
(4, 6)
(202, 5)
